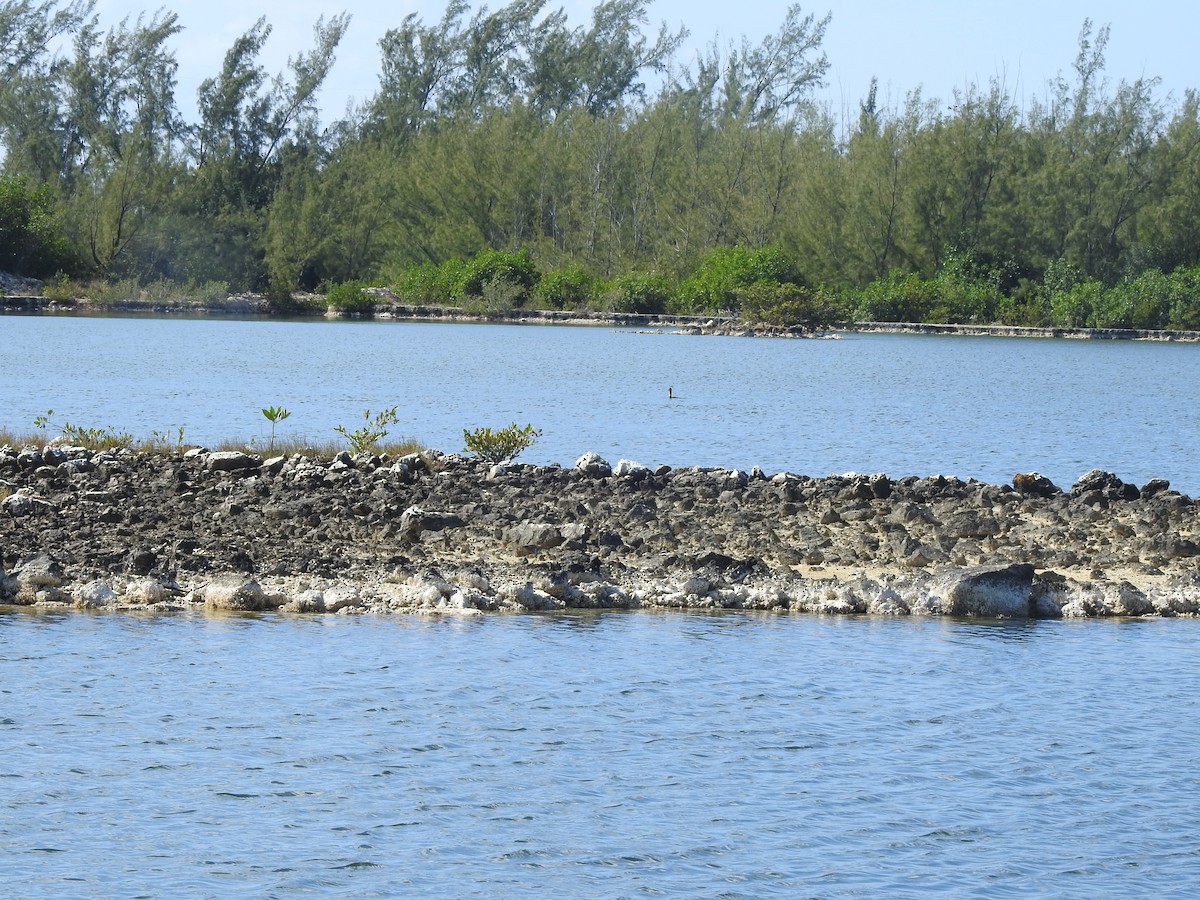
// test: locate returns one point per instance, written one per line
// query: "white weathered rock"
(1127, 600)
(475, 581)
(233, 593)
(576, 531)
(93, 594)
(306, 601)
(413, 462)
(412, 523)
(274, 465)
(343, 596)
(593, 465)
(626, 468)
(528, 597)
(145, 590)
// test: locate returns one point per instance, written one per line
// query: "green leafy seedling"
(275, 415)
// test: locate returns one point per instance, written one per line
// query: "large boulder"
(234, 593)
(999, 592)
(38, 573)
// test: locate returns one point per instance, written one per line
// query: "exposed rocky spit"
(431, 532)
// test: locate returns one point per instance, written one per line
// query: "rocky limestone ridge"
(441, 533)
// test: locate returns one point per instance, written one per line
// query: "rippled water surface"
(902, 404)
(612, 755)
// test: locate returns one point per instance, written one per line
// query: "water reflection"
(1007, 631)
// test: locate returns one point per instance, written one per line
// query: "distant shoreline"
(312, 308)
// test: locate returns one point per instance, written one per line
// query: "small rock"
(627, 468)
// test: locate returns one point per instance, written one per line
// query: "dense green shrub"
(715, 283)
(501, 444)
(569, 288)
(31, 238)
(900, 297)
(1073, 307)
(1150, 300)
(351, 296)
(639, 292)
(492, 266)
(1114, 306)
(1028, 309)
(430, 285)
(786, 304)
(1185, 299)
(963, 291)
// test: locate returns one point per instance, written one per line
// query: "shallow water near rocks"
(597, 755)
(978, 407)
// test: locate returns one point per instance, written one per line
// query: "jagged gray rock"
(230, 461)
(362, 534)
(25, 503)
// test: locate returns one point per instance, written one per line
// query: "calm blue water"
(973, 407)
(612, 755)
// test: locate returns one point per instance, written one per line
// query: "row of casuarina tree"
(511, 158)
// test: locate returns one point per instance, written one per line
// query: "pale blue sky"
(935, 44)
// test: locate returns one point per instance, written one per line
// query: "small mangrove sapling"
(374, 429)
(275, 415)
(497, 445)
